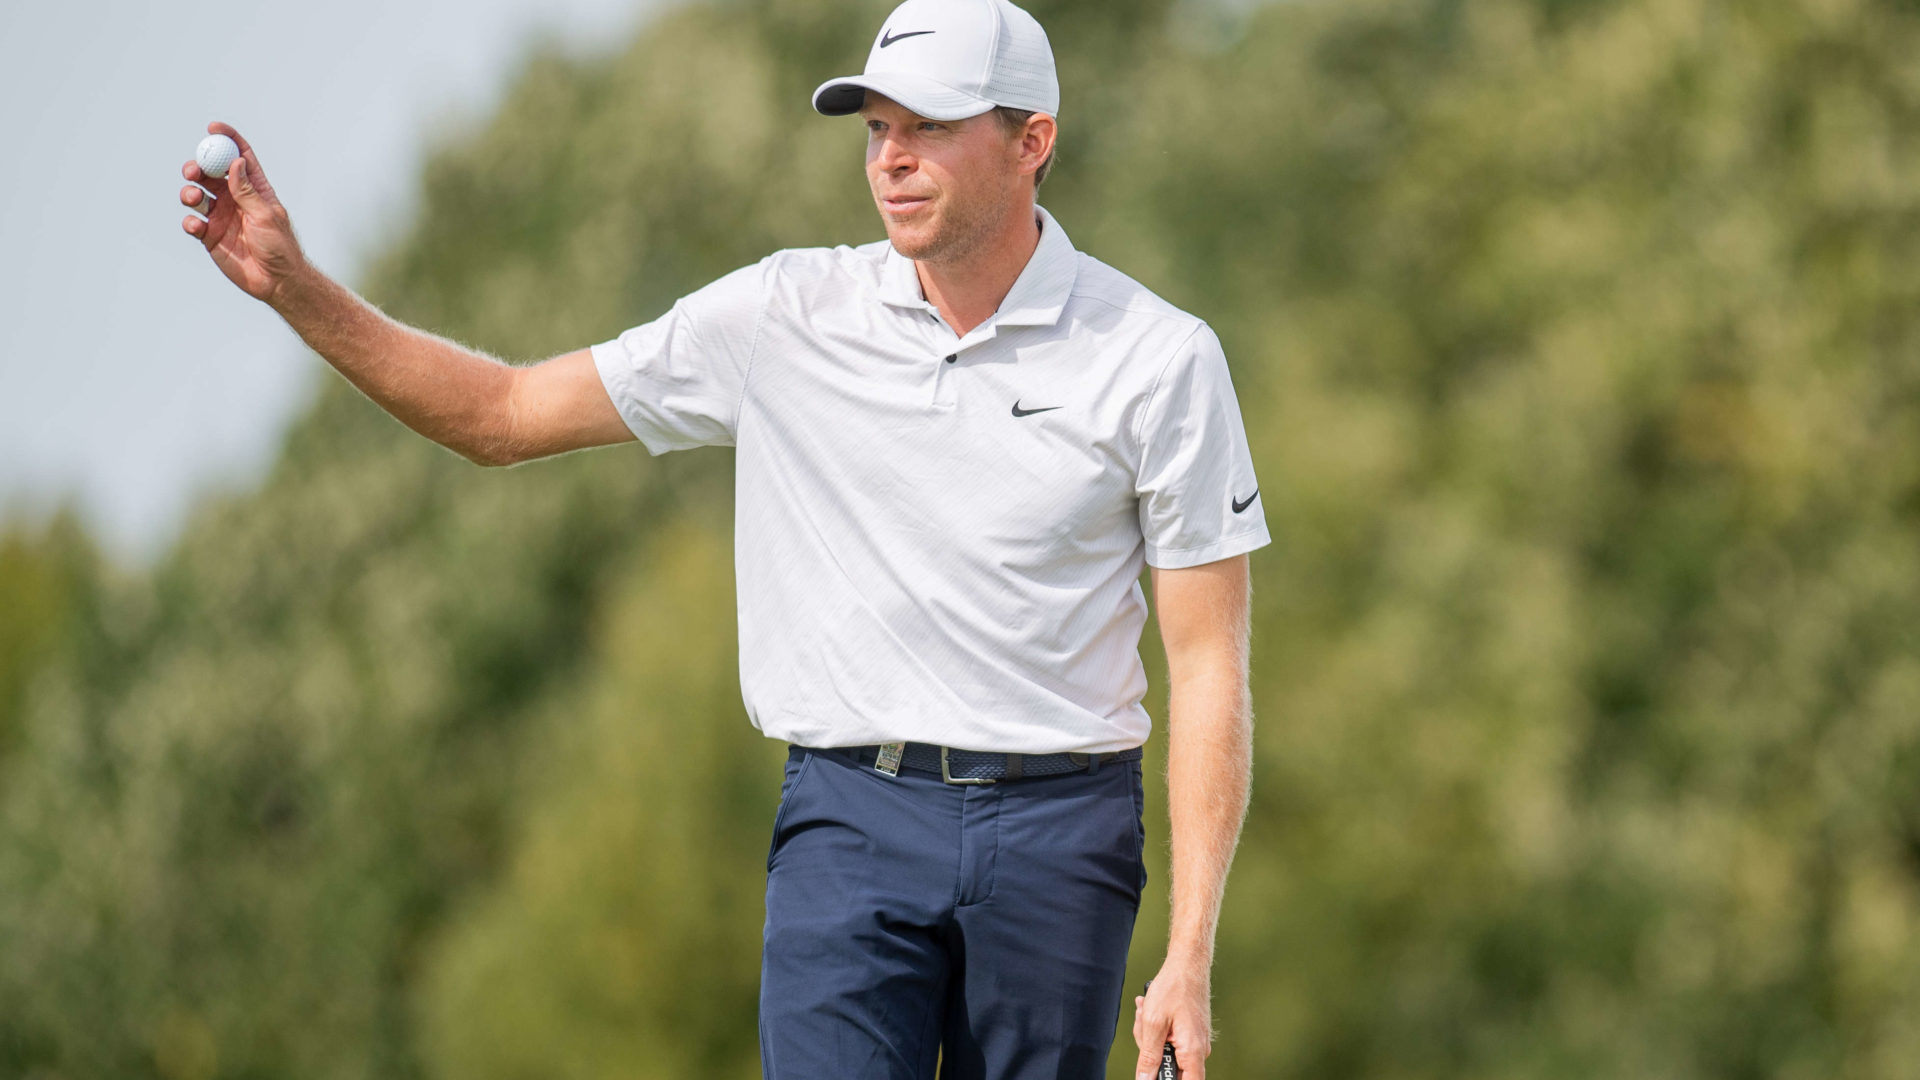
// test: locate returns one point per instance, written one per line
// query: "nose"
(891, 155)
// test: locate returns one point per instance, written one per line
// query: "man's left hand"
(1176, 1009)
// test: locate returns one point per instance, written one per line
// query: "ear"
(1036, 141)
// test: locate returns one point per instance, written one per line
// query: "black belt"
(983, 766)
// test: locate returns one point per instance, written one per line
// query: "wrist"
(1188, 959)
(296, 291)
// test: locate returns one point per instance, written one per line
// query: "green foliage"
(1576, 340)
(625, 935)
(45, 579)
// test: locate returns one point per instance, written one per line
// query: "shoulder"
(841, 264)
(1114, 303)
(1100, 284)
(1109, 301)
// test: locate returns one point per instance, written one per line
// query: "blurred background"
(1579, 346)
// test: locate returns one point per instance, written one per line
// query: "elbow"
(494, 445)
(491, 451)
(498, 444)
(492, 457)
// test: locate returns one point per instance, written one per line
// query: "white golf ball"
(216, 154)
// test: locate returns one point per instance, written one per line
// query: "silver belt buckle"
(946, 773)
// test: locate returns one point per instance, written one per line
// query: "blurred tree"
(45, 579)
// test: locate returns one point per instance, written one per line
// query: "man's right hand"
(247, 232)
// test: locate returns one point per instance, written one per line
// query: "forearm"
(450, 394)
(1209, 782)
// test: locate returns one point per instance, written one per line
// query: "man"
(955, 449)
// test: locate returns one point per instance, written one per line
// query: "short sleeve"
(1199, 499)
(678, 380)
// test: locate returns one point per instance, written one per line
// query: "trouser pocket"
(1139, 821)
(796, 771)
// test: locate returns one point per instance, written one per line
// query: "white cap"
(951, 59)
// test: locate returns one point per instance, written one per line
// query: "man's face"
(943, 186)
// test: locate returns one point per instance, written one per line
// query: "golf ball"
(216, 154)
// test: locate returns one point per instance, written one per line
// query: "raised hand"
(246, 230)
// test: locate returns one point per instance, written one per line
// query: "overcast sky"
(132, 374)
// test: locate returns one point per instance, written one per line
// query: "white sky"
(132, 373)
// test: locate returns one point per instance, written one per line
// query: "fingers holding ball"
(201, 201)
(216, 154)
(207, 173)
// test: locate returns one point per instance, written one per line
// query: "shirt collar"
(1038, 295)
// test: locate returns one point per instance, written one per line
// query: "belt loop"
(1093, 763)
(1016, 766)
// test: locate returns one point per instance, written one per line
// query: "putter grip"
(1169, 1066)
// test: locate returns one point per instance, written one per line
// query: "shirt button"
(951, 359)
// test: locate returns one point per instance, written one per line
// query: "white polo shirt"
(938, 538)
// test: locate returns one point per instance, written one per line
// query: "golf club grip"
(1169, 1065)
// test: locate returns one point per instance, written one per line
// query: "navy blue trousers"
(911, 921)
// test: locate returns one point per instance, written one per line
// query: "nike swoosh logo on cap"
(1238, 506)
(1018, 411)
(887, 39)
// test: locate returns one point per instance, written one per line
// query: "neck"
(969, 288)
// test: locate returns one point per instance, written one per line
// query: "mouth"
(903, 204)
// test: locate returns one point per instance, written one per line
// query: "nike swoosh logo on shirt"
(1239, 506)
(888, 39)
(1018, 411)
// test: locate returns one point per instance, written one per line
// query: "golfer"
(955, 448)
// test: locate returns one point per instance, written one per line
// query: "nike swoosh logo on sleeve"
(1238, 506)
